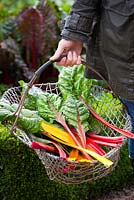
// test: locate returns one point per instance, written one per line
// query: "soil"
(127, 193)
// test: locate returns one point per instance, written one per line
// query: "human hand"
(72, 49)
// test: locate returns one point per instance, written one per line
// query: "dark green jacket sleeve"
(78, 24)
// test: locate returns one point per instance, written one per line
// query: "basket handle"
(38, 72)
(29, 85)
(98, 74)
(102, 78)
(47, 64)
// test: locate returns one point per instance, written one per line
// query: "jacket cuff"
(79, 23)
(68, 34)
(76, 26)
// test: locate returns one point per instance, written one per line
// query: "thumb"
(57, 53)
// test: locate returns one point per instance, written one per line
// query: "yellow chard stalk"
(63, 137)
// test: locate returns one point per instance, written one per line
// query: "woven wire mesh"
(72, 172)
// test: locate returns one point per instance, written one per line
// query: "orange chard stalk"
(58, 138)
(62, 135)
(60, 120)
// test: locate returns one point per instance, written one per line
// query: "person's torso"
(121, 7)
(117, 44)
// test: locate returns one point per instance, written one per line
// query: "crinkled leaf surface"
(5, 109)
(71, 108)
(29, 120)
(31, 98)
(44, 108)
(72, 81)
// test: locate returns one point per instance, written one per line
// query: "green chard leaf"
(76, 115)
(5, 109)
(31, 98)
(44, 108)
(65, 81)
(4, 114)
(29, 120)
(5, 104)
(30, 124)
(72, 81)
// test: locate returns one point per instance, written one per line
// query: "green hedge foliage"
(23, 177)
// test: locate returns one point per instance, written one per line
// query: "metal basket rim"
(110, 153)
(56, 85)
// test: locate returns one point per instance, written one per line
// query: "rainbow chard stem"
(60, 120)
(113, 127)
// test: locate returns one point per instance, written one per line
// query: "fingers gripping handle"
(59, 59)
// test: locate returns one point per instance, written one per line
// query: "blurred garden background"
(29, 34)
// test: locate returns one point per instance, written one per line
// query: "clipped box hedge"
(23, 177)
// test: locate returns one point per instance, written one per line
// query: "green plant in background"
(28, 39)
(29, 35)
(13, 7)
(64, 5)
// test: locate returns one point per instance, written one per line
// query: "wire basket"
(72, 172)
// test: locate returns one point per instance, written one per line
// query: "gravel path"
(126, 193)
